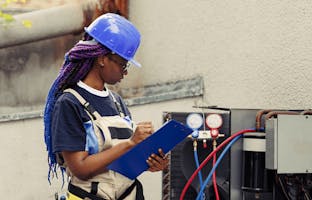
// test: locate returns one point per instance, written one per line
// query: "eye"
(124, 65)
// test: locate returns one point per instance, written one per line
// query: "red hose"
(187, 185)
(214, 179)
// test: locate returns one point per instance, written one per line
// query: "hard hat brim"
(136, 63)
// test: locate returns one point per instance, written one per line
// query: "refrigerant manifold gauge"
(194, 121)
(214, 121)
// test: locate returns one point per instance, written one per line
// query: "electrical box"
(288, 144)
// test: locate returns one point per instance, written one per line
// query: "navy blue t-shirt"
(68, 132)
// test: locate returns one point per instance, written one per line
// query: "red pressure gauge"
(214, 122)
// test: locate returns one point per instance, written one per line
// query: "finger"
(149, 129)
(152, 167)
(157, 158)
(153, 163)
(144, 124)
(161, 153)
(145, 129)
(160, 162)
(157, 167)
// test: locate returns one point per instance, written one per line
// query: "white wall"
(252, 54)
(23, 164)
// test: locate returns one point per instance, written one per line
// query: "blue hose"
(202, 188)
(199, 173)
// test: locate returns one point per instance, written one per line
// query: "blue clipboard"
(133, 162)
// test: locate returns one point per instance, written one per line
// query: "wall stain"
(27, 71)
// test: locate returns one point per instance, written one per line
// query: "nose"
(125, 72)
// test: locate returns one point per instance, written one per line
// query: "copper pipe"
(122, 6)
(259, 116)
(274, 113)
(110, 6)
(306, 112)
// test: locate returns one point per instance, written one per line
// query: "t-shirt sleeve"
(68, 133)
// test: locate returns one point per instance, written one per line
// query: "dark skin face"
(106, 69)
(115, 72)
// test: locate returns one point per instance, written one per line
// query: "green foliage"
(6, 17)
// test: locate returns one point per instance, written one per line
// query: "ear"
(100, 61)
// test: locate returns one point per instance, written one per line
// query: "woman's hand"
(157, 162)
(142, 131)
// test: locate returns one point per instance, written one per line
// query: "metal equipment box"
(289, 143)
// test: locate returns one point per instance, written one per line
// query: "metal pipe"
(275, 113)
(259, 115)
(306, 112)
(49, 23)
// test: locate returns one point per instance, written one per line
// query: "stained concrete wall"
(27, 72)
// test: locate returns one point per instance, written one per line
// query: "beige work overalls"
(110, 184)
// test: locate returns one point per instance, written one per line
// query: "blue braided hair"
(77, 63)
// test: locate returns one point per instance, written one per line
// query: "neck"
(94, 81)
(96, 86)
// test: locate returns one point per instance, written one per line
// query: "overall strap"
(82, 194)
(95, 116)
(139, 191)
(117, 104)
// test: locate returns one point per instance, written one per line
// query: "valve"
(204, 143)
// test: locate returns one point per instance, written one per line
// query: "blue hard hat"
(116, 33)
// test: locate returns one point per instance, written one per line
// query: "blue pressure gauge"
(194, 121)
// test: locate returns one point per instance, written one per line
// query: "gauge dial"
(194, 121)
(214, 121)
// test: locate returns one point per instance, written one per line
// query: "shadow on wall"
(27, 72)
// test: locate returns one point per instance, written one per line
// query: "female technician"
(87, 126)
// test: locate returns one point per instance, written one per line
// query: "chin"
(113, 82)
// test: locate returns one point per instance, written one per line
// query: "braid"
(78, 62)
